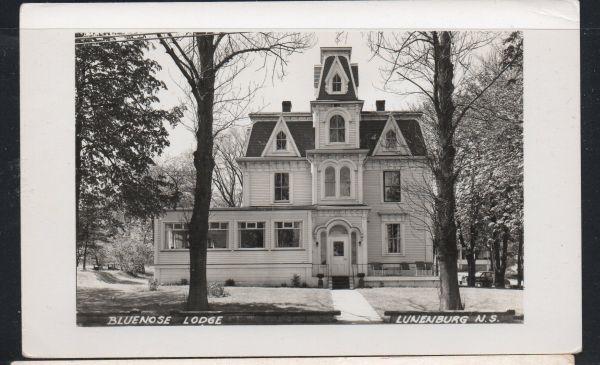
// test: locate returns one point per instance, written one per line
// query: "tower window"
(336, 83)
(337, 130)
(281, 143)
(329, 181)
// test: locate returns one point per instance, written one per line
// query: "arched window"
(337, 129)
(330, 181)
(281, 141)
(391, 140)
(336, 83)
(345, 181)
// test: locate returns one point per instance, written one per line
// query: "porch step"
(339, 282)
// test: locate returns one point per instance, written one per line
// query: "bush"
(229, 282)
(152, 284)
(216, 290)
(304, 285)
(283, 285)
(183, 281)
(296, 281)
(361, 274)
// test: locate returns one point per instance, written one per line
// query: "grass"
(426, 299)
(110, 291)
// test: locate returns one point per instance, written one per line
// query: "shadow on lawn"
(109, 278)
(112, 300)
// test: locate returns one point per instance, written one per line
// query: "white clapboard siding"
(260, 183)
(416, 241)
(270, 254)
(274, 275)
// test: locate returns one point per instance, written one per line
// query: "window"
(287, 234)
(393, 238)
(338, 248)
(329, 181)
(282, 187)
(390, 139)
(345, 181)
(177, 236)
(323, 248)
(252, 234)
(281, 141)
(218, 233)
(337, 131)
(336, 83)
(391, 186)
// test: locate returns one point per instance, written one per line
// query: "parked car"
(512, 281)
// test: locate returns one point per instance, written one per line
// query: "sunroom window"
(218, 233)
(287, 234)
(176, 236)
(252, 234)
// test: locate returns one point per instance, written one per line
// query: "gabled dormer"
(281, 142)
(336, 78)
(391, 141)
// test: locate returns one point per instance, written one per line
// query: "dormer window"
(337, 129)
(281, 142)
(391, 140)
(336, 83)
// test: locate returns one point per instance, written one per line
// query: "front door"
(340, 257)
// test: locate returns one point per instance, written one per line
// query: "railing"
(320, 269)
(418, 268)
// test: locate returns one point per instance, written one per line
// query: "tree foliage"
(120, 128)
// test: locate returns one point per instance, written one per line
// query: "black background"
(10, 292)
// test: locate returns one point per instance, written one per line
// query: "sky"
(296, 86)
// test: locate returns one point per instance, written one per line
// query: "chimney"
(380, 105)
(286, 106)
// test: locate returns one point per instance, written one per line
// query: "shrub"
(216, 290)
(361, 274)
(283, 285)
(304, 285)
(320, 276)
(296, 281)
(229, 282)
(183, 281)
(152, 284)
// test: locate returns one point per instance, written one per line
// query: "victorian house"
(324, 196)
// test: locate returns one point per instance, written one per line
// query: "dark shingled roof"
(355, 73)
(303, 134)
(323, 95)
(411, 131)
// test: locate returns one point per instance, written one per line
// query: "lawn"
(426, 299)
(107, 291)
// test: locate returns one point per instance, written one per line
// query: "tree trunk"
(471, 267)
(85, 247)
(204, 164)
(444, 173)
(520, 260)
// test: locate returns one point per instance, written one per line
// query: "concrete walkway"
(354, 307)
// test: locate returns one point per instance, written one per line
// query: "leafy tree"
(119, 130)
(490, 182)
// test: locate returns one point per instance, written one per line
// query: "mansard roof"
(302, 132)
(371, 126)
(350, 94)
(370, 131)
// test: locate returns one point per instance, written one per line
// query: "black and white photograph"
(251, 179)
(289, 177)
